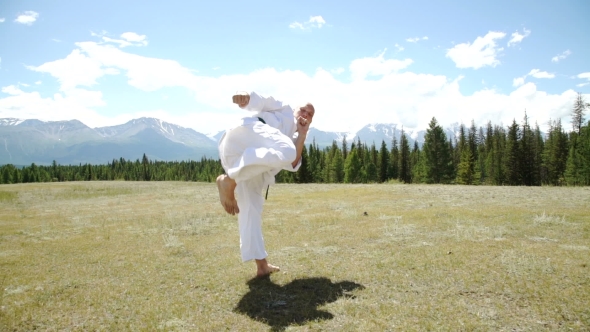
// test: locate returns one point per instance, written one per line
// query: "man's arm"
(302, 128)
(256, 103)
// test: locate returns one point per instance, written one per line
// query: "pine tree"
(473, 139)
(365, 159)
(577, 171)
(419, 166)
(16, 176)
(145, 163)
(512, 159)
(7, 173)
(460, 146)
(329, 156)
(383, 163)
(372, 162)
(438, 161)
(394, 159)
(466, 164)
(372, 175)
(405, 174)
(337, 167)
(465, 171)
(344, 148)
(414, 160)
(352, 167)
(527, 154)
(360, 150)
(578, 113)
(573, 164)
(585, 152)
(538, 146)
(489, 149)
(455, 158)
(303, 175)
(315, 162)
(499, 150)
(480, 166)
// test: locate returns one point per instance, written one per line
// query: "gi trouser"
(252, 154)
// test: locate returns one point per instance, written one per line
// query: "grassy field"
(163, 256)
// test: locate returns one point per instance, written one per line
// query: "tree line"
(518, 155)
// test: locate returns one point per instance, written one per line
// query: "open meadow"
(164, 256)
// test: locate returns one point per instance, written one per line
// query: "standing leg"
(250, 202)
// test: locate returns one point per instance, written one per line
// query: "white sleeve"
(262, 104)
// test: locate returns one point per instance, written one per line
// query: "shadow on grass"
(294, 303)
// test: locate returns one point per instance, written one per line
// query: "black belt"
(261, 120)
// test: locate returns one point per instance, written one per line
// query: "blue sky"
(358, 62)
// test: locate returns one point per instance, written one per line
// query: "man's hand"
(302, 125)
(241, 99)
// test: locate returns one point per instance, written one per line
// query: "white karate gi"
(252, 153)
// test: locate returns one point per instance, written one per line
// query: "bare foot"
(264, 269)
(226, 187)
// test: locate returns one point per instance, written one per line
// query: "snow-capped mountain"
(170, 131)
(384, 132)
(23, 142)
(10, 121)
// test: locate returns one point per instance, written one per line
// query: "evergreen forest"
(516, 155)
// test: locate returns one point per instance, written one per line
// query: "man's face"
(307, 112)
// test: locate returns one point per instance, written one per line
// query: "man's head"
(307, 112)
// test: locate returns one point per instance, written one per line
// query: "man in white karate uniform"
(252, 153)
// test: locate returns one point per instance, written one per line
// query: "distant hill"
(72, 142)
(23, 142)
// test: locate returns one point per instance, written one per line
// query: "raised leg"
(226, 187)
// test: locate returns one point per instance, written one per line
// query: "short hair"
(311, 105)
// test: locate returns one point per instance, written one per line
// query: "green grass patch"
(7, 196)
(164, 256)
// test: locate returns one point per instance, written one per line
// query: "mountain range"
(23, 142)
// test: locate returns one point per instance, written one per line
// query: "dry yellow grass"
(148, 256)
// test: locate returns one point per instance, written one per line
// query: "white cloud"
(31, 105)
(28, 18)
(127, 39)
(416, 39)
(77, 69)
(317, 21)
(337, 71)
(518, 81)
(12, 90)
(379, 91)
(582, 85)
(536, 73)
(398, 47)
(517, 37)
(313, 22)
(561, 56)
(378, 66)
(296, 25)
(2, 19)
(133, 37)
(483, 52)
